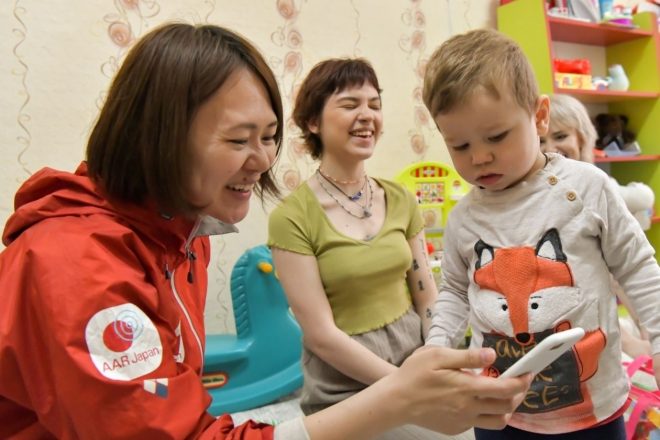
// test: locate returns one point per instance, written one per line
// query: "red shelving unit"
(595, 34)
(638, 158)
(605, 96)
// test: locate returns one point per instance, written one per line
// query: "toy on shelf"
(618, 79)
(572, 73)
(576, 65)
(261, 363)
(573, 81)
(616, 14)
(437, 187)
(601, 82)
(582, 10)
(614, 138)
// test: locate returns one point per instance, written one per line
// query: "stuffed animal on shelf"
(612, 128)
(614, 136)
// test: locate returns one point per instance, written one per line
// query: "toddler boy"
(528, 251)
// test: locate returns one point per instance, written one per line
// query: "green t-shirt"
(364, 280)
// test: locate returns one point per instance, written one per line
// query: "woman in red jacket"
(103, 281)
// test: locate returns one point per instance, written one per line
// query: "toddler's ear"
(542, 115)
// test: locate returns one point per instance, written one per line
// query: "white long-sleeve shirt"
(534, 259)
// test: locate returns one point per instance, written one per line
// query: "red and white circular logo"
(123, 342)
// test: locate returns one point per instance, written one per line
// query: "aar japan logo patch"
(123, 342)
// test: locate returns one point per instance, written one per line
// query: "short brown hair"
(482, 57)
(138, 148)
(326, 78)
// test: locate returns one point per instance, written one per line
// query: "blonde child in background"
(529, 250)
(572, 134)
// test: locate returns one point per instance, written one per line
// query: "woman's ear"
(313, 126)
(542, 115)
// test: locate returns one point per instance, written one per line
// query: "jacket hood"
(51, 193)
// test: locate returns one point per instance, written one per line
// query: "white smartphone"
(549, 349)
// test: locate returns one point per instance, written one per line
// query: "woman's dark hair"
(327, 77)
(138, 148)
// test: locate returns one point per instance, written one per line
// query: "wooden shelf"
(605, 96)
(594, 34)
(638, 158)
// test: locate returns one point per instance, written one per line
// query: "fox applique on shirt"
(524, 289)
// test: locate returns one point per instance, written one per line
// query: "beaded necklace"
(366, 209)
(353, 197)
(338, 181)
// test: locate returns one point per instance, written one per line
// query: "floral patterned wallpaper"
(58, 59)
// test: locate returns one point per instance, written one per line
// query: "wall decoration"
(23, 117)
(414, 45)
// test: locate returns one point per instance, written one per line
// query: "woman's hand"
(430, 389)
(437, 393)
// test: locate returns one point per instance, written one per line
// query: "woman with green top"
(349, 248)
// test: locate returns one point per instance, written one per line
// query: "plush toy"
(639, 199)
(612, 128)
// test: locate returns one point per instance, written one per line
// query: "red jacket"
(101, 319)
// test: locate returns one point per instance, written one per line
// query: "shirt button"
(571, 196)
(552, 180)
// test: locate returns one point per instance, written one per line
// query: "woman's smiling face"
(351, 122)
(232, 142)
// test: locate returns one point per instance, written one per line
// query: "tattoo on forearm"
(420, 284)
(429, 314)
(415, 264)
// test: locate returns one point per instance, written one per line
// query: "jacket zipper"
(191, 259)
(187, 315)
(191, 256)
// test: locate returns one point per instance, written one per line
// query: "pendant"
(366, 212)
(355, 196)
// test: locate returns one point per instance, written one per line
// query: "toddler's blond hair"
(480, 58)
